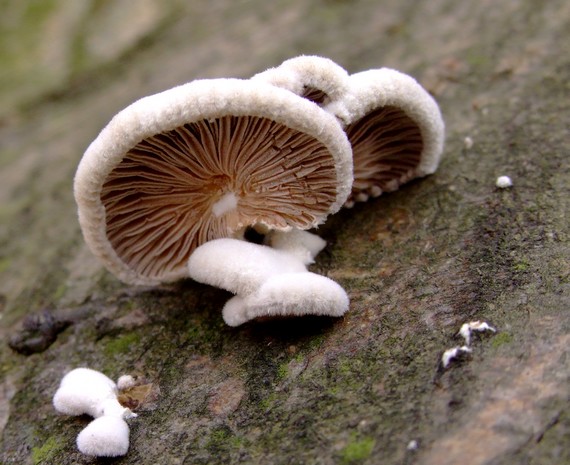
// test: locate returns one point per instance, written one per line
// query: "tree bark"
(452, 248)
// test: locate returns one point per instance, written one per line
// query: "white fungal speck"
(468, 142)
(468, 328)
(413, 445)
(503, 182)
(126, 382)
(452, 354)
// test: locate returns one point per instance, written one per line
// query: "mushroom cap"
(238, 266)
(313, 77)
(395, 129)
(288, 294)
(104, 437)
(201, 161)
(84, 391)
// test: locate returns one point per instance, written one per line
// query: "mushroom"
(395, 129)
(394, 126)
(266, 281)
(315, 78)
(85, 391)
(206, 160)
(106, 436)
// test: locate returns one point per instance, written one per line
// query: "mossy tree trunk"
(417, 264)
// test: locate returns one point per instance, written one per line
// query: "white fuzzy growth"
(238, 266)
(290, 294)
(106, 436)
(226, 204)
(308, 71)
(84, 391)
(302, 244)
(503, 182)
(453, 353)
(468, 328)
(468, 142)
(268, 282)
(126, 382)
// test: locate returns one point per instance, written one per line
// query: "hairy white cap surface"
(237, 266)
(315, 78)
(107, 436)
(289, 294)
(84, 391)
(266, 281)
(205, 160)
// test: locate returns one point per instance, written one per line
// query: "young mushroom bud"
(203, 161)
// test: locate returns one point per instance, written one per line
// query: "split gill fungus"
(203, 161)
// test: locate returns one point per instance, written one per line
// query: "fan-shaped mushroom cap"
(313, 77)
(288, 294)
(84, 391)
(106, 436)
(395, 128)
(203, 161)
(238, 266)
(268, 282)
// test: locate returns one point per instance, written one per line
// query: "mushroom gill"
(210, 179)
(314, 95)
(387, 146)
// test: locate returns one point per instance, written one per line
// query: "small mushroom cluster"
(88, 392)
(171, 185)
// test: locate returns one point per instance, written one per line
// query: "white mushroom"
(315, 78)
(266, 281)
(395, 129)
(202, 161)
(288, 294)
(503, 182)
(86, 391)
(106, 436)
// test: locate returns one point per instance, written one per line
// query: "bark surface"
(417, 264)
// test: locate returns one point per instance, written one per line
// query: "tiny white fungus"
(503, 182)
(468, 328)
(468, 142)
(86, 391)
(452, 354)
(126, 382)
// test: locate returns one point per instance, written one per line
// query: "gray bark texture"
(417, 264)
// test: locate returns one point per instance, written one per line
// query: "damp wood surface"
(417, 263)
